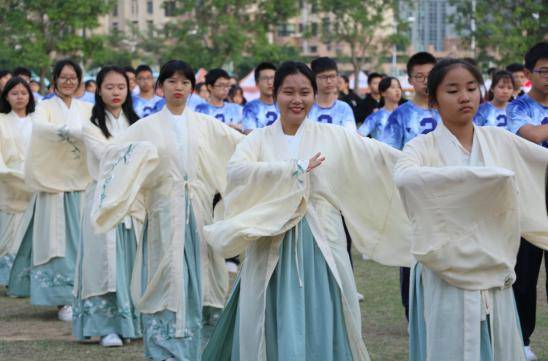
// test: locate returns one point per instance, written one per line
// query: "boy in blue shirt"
(261, 112)
(408, 121)
(145, 103)
(327, 108)
(528, 117)
(218, 84)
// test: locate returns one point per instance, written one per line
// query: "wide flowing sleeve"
(369, 201)
(465, 219)
(530, 161)
(56, 160)
(124, 169)
(262, 198)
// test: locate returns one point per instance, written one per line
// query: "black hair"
(515, 67)
(98, 113)
(263, 66)
(345, 79)
(372, 76)
(323, 64)
(471, 61)
(176, 66)
(440, 70)
(386, 83)
(497, 77)
(141, 68)
(3, 73)
(58, 68)
(291, 68)
(130, 69)
(199, 86)
(232, 92)
(20, 70)
(91, 81)
(491, 71)
(419, 58)
(537, 52)
(215, 74)
(5, 106)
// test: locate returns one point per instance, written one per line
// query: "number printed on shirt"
(428, 125)
(271, 117)
(221, 117)
(502, 121)
(325, 118)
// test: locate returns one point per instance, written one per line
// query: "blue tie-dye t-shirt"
(410, 120)
(145, 107)
(488, 114)
(340, 113)
(526, 110)
(375, 125)
(257, 114)
(229, 113)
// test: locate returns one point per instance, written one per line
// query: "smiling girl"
(288, 184)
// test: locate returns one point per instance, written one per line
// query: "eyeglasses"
(420, 77)
(222, 86)
(543, 72)
(327, 77)
(68, 79)
(266, 78)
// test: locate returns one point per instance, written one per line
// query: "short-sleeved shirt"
(375, 125)
(409, 120)
(257, 114)
(228, 113)
(526, 110)
(488, 114)
(339, 113)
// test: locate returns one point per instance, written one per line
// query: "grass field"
(34, 334)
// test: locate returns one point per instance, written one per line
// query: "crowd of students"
(121, 198)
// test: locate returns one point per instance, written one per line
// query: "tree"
(356, 23)
(501, 33)
(223, 32)
(35, 32)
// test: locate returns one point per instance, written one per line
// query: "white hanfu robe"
(56, 170)
(102, 302)
(468, 210)
(14, 197)
(178, 164)
(268, 194)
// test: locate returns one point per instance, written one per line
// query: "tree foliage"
(504, 32)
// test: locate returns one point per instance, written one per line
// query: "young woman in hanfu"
(102, 304)
(55, 168)
(16, 106)
(288, 184)
(469, 192)
(176, 159)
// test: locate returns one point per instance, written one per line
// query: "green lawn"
(33, 333)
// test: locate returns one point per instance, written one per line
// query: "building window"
(150, 7)
(301, 28)
(169, 8)
(314, 29)
(115, 10)
(326, 25)
(313, 49)
(150, 28)
(134, 7)
(286, 29)
(115, 27)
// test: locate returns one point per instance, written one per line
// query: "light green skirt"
(301, 323)
(49, 284)
(111, 312)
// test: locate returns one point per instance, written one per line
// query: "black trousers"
(405, 275)
(525, 288)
